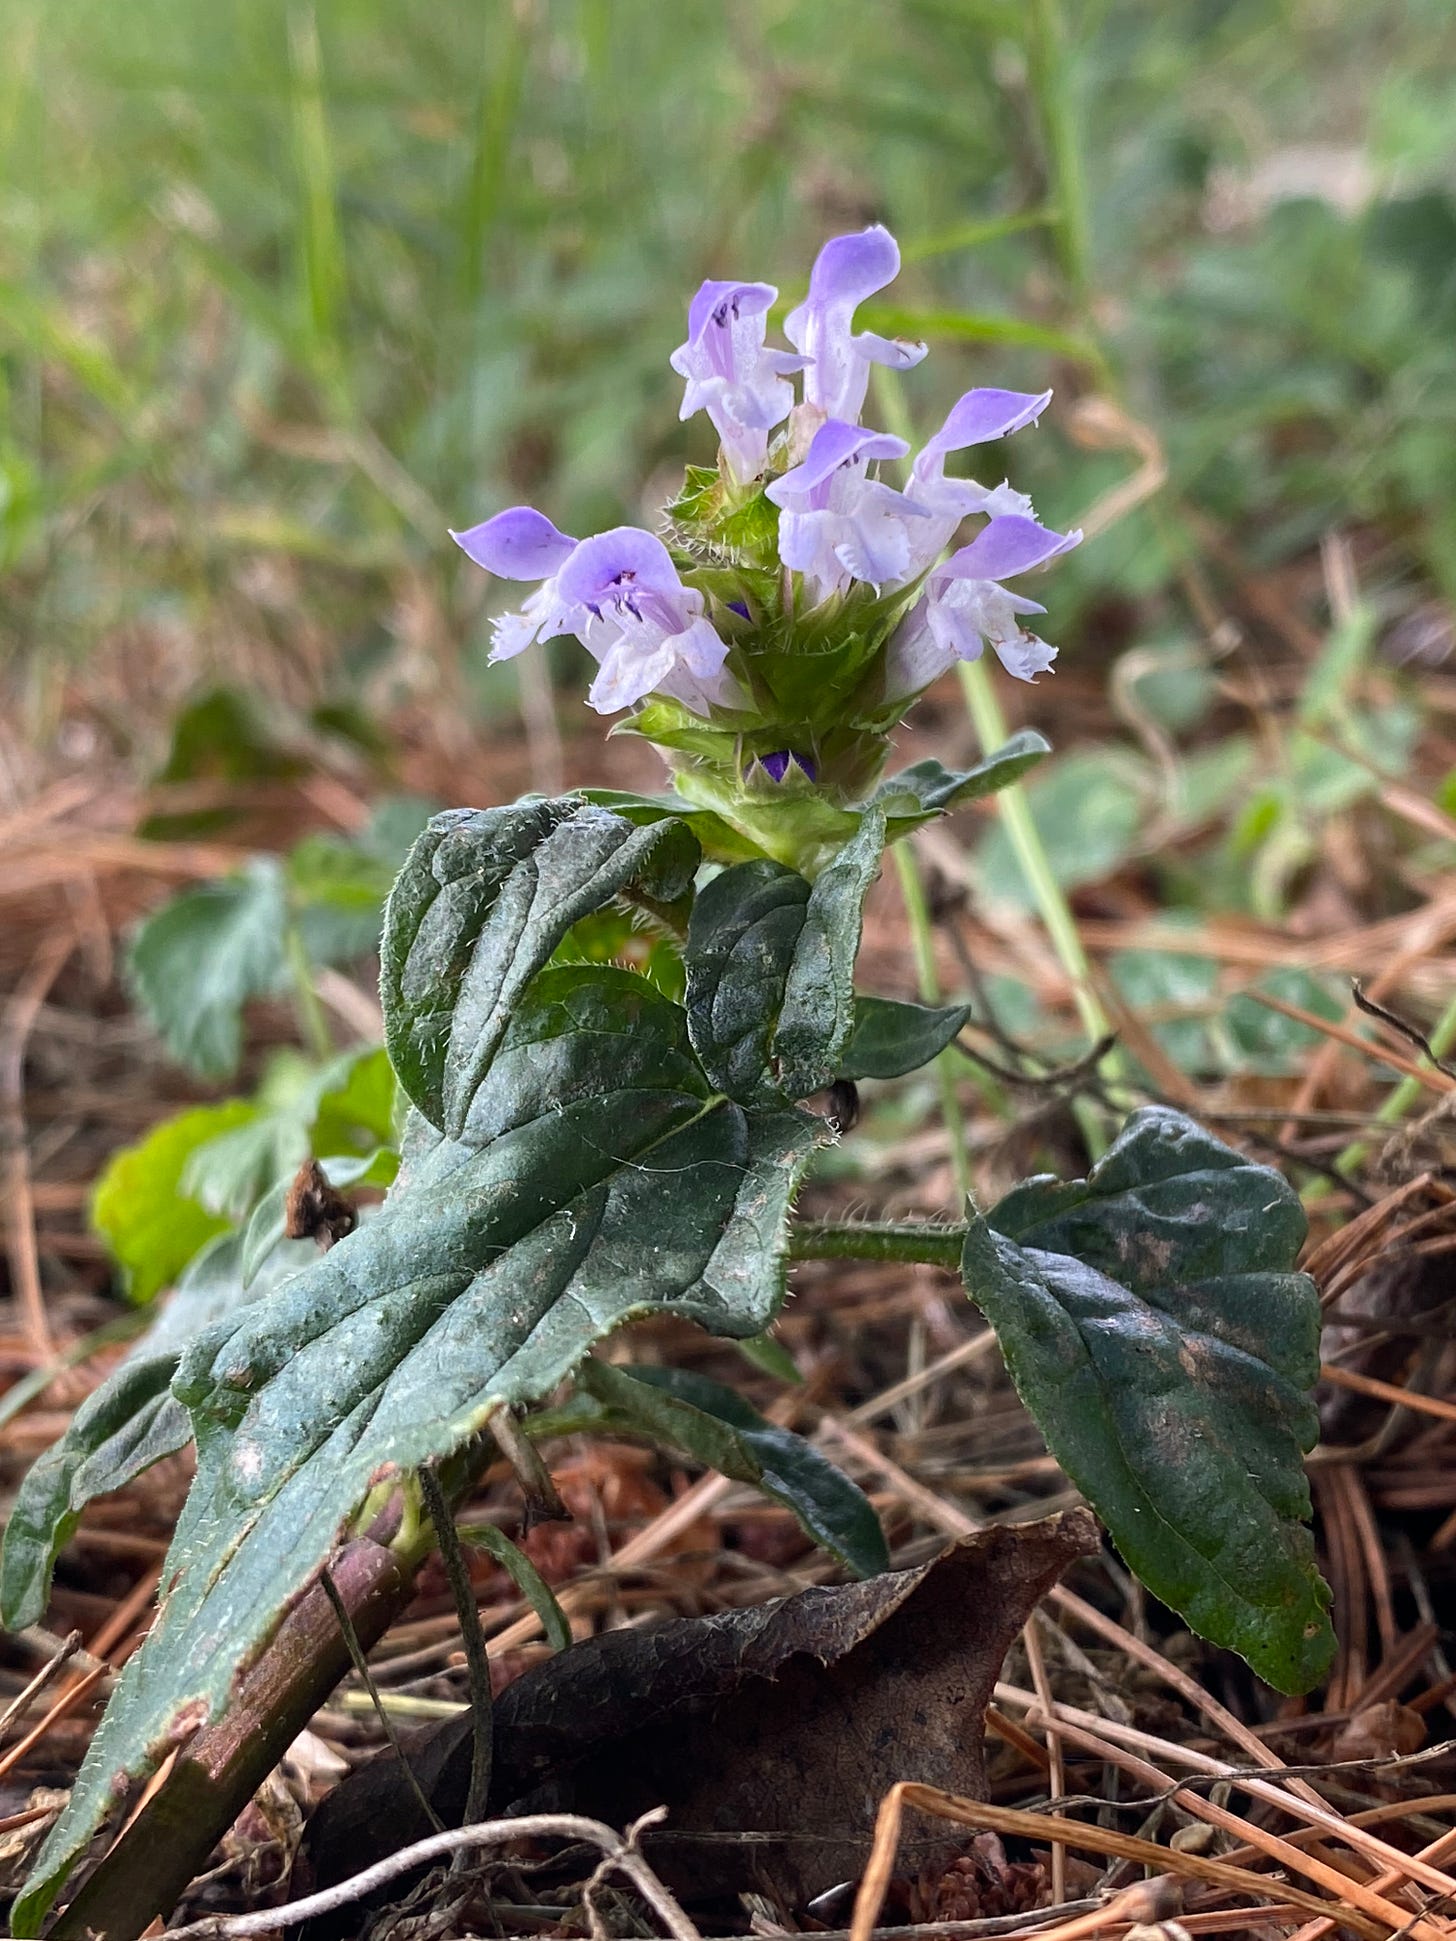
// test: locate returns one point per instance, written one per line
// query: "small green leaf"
(140, 1209)
(890, 1039)
(1155, 1327)
(715, 1425)
(770, 960)
(927, 788)
(197, 961)
(479, 907)
(769, 1356)
(524, 1575)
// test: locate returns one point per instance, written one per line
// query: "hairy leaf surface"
(615, 1183)
(928, 788)
(483, 900)
(770, 959)
(1154, 1325)
(128, 1422)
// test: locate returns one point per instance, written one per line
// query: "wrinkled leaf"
(770, 959)
(484, 1280)
(127, 1423)
(790, 1718)
(714, 1425)
(890, 1039)
(928, 788)
(719, 839)
(140, 1207)
(1155, 1327)
(483, 900)
(195, 963)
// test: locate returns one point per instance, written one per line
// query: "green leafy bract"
(612, 1181)
(770, 959)
(1154, 1325)
(197, 961)
(483, 900)
(715, 1425)
(890, 1038)
(928, 789)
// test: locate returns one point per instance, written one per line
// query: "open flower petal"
(848, 269)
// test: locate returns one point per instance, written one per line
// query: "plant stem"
(1400, 1101)
(922, 941)
(1050, 73)
(917, 1242)
(312, 1023)
(219, 1771)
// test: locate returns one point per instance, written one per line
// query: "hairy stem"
(922, 939)
(219, 1771)
(910, 1241)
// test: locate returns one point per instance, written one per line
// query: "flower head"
(742, 386)
(847, 270)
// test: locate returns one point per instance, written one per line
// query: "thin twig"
(20, 1703)
(486, 1833)
(476, 1657)
(361, 1666)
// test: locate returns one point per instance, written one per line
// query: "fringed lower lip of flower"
(964, 606)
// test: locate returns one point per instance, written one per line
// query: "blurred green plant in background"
(285, 288)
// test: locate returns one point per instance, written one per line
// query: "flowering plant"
(586, 1143)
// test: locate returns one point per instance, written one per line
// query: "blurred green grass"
(287, 288)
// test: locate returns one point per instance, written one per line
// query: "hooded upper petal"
(847, 270)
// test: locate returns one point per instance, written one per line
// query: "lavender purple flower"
(620, 594)
(742, 387)
(847, 270)
(805, 597)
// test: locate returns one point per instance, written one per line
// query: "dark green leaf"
(716, 1426)
(1154, 1325)
(614, 1185)
(127, 1423)
(198, 960)
(140, 1207)
(770, 960)
(927, 788)
(890, 1039)
(525, 1576)
(482, 902)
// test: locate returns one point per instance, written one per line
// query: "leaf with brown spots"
(1154, 1325)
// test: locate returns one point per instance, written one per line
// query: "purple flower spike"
(848, 269)
(730, 374)
(965, 606)
(837, 524)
